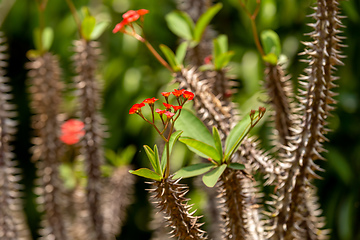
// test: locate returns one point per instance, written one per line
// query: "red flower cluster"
(129, 17)
(71, 131)
(136, 108)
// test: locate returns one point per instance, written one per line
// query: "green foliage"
(201, 148)
(211, 178)
(193, 170)
(272, 47)
(146, 173)
(174, 137)
(181, 24)
(43, 39)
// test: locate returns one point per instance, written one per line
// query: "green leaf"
(218, 144)
(98, 30)
(222, 41)
(204, 21)
(223, 60)
(44, 39)
(181, 52)
(271, 58)
(236, 166)
(146, 173)
(271, 42)
(87, 27)
(153, 158)
(181, 24)
(157, 160)
(211, 178)
(193, 127)
(193, 170)
(236, 135)
(174, 137)
(47, 38)
(201, 148)
(170, 56)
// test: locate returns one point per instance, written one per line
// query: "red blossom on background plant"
(72, 131)
(129, 17)
(160, 112)
(136, 107)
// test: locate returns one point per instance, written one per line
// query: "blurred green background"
(130, 74)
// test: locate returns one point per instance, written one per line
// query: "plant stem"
(157, 56)
(75, 15)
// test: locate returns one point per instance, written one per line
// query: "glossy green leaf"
(174, 137)
(271, 42)
(153, 158)
(193, 127)
(181, 52)
(236, 135)
(211, 178)
(222, 41)
(98, 30)
(170, 56)
(236, 166)
(146, 173)
(193, 170)
(181, 24)
(204, 21)
(218, 144)
(201, 148)
(87, 27)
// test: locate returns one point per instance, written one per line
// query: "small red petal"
(136, 107)
(176, 108)
(131, 16)
(159, 111)
(168, 106)
(71, 131)
(150, 100)
(142, 12)
(120, 26)
(178, 93)
(166, 94)
(169, 114)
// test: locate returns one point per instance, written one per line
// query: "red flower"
(207, 60)
(120, 26)
(142, 12)
(131, 16)
(150, 100)
(178, 93)
(168, 106)
(169, 114)
(136, 107)
(71, 131)
(166, 94)
(176, 107)
(188, 95)
(159, 111)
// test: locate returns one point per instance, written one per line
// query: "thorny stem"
(75, 15)
(252, 17)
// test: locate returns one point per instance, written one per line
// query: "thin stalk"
(157, 56)
(75, 15)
